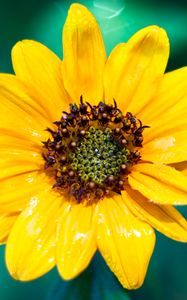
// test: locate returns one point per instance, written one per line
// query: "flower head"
(91, 152)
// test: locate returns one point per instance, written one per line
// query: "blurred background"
(42, 20)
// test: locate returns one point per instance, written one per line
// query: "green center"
(97, 156)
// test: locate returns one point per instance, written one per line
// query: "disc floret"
(92, 149)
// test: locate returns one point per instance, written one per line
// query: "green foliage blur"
(42, 20)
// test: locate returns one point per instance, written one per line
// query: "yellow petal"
(84, 55)
(22, 95)
(132, 69)
(16, 163)
(30, 250)
(18, 112)
(160, 184)
(166, 113)
(13, 140)
(171, 94)
(76, 239)
(164, 218)
(169, 124)
(111, 68)
(166, 174)
(22, 128)
(125, 242)
(19, 158)
(17, 191)
(185, 172)
(6, 223)
(171, 148)
(40, 68)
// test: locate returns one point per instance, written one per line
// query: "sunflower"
(91, 152)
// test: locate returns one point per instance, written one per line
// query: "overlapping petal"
(76, 239)
(6, 223)
(168, 149)
(22, 94)
(84, 55)
(40, 68)
(17, 191)
(133, 68)
(13, 165)
(164, 218)
(22, 141)
(165, 141)
(19, 156)
(22, 129)
(125, 242)
(159, 183)
(171, 96)
(19, 112)
(30, 250)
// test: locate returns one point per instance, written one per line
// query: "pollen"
(92, 150)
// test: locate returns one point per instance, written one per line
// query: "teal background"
(42, 21)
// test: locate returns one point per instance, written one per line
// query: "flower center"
(98, 156)
(92, 150)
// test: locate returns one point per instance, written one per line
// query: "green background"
(42, 21)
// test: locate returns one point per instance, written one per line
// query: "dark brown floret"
(92, 150)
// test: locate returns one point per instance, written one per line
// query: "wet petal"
(164, 218)
(17, 191)
(171, 148)
(84, 55)
(41, 69)
(166, 137)
(30, 250)
(125, 242)
(160, 184)
(132, 69)
(76, 239)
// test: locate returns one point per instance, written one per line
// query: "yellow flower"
(105, 173)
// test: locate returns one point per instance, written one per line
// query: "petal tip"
(160, 33)
(79, 15)
(77, 10)
(152, 33)
(67, 274)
